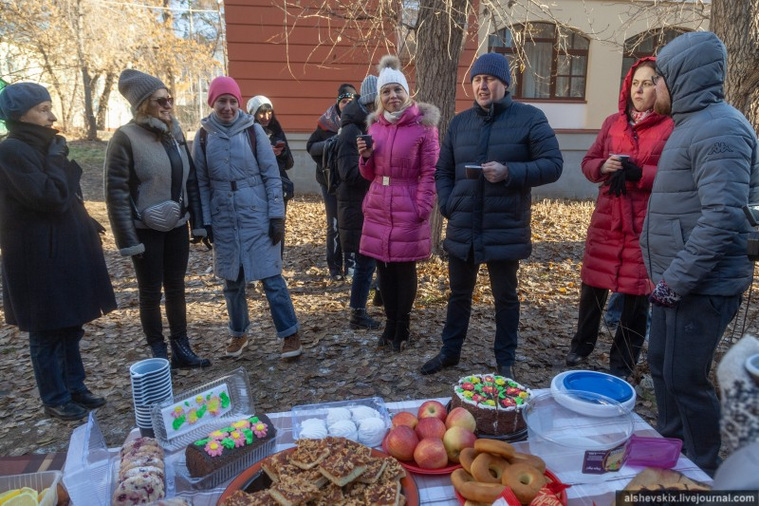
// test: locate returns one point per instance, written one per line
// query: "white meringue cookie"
(337, 414)
(313, 428)
(360, 412)
(371, 431)
(344, 428)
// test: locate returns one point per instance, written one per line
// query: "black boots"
(388, 335)
(360, 319)
(400, 339)
(159, 350)
(182, 356)
(68, 411)
(438, 363)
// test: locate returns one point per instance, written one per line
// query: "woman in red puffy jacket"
(623, 159)
(400, 164)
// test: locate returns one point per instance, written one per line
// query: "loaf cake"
(496, 402)
(228, 444)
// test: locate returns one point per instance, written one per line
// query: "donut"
(488, 468)
(466, 456)
(527, 458)
(524, 480)
(475, 503)
(500, 448)
(474, 491)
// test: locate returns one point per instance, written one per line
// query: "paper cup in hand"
(473, 171)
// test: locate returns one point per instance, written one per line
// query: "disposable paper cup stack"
(151, 383)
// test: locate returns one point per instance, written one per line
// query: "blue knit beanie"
(16, 99)
(493, 64)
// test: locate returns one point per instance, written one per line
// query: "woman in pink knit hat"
(244, 213)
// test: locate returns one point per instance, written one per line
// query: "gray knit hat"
(368, 90)
(16, 99)
(492, 64)
(137, 86)
(256, 102)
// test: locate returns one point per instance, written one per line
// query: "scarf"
(37, 136)
(638, 116)
(330, 120)
(393, 117)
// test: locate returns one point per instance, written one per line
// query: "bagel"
(488, 468)
(524, 480)
(530, 459)
(500, 448)
(475, 503)
(474, 491)
(466, 456)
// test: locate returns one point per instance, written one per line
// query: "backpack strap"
(251, 134)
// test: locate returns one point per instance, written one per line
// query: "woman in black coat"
(54, 274)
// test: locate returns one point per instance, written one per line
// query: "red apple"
(405, 418)
(401, 442)
(430, 454)
(461, 417)
(430, 427)
(456, 439)
(432, 409)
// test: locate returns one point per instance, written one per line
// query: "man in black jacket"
(488, 208)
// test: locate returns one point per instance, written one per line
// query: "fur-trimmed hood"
(159, 127)
(429, 115)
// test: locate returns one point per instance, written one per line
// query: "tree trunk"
(440, 33)
(736, 22)
(105, 96)
(90, 125)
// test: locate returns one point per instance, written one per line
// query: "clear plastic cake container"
(37, 481)
(226, 473)
(307, 411)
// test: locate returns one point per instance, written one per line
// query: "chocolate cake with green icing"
(228, 444)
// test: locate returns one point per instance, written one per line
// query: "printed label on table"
(603, 461)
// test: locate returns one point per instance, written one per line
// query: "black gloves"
(207, 240)
(58, 147)
(98, 227)
(277, 230)
(629, 172)
(632, 172)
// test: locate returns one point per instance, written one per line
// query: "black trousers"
(631, 331)
(397, 281)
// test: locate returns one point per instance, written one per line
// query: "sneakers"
(236, 345)
(291, 347)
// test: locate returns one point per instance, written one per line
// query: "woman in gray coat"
(243, 209)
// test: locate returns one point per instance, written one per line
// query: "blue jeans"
(334, 250)
(680, 352)
(503, 282)
(57, 364)
(362, 280)
(280, 305)
(614, 309)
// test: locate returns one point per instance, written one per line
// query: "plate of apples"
(430, 440)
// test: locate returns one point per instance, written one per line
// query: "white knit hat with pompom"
(390, 72)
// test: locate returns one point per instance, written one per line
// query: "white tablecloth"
(586, 489)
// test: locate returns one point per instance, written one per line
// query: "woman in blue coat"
(241, 196)
(54, 274)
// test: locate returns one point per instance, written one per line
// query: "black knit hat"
(492, 64)
(137, 86)
(16, 99)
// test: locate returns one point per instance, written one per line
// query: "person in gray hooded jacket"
(694, 237)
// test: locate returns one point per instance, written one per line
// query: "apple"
(456, 439)
(401, 442)
(430, 427)
(430, 454)
(432, 409)
(405, 418)
(461, 417)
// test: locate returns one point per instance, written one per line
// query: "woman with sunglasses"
(54, 274)
(152, 194)
(622, 160)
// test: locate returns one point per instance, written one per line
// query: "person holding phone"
(401, 196)
(623, 161)
(54, 274)
(350, 197)
(262, 110)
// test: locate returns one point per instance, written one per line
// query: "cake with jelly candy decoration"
(228, 444)
(496, 402)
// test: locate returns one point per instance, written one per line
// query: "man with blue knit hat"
(492, 156)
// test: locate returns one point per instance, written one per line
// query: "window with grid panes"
(555, 60)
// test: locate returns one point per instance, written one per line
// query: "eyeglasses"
(164, 101)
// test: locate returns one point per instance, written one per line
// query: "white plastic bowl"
(752, 366)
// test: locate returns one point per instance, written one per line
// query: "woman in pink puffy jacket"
(400, 163)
